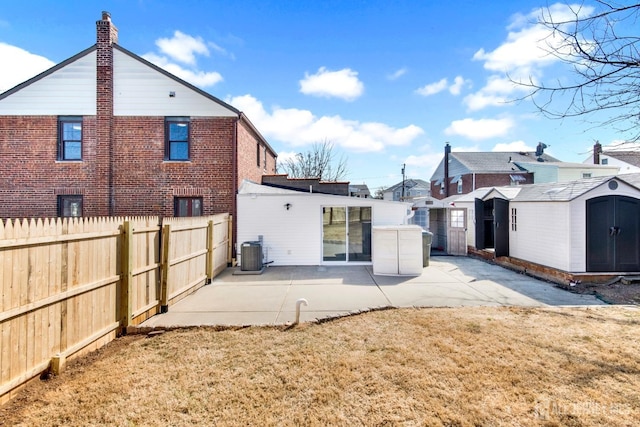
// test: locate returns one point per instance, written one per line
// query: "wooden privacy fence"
(69, 286)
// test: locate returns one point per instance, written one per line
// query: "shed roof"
(567, 191)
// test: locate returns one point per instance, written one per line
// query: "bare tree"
(379, 194)
(603, 50)
(319, 162)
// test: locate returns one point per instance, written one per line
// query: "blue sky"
(387, 82)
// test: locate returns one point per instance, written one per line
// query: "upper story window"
(604, 161)
(69, 138)
(460, 186)
(176, 138)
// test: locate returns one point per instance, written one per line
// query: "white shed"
(300, 228)
(589, 225)
(582, 226)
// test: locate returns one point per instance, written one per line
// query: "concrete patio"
(270, 298)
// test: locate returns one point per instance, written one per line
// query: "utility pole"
(402, 199)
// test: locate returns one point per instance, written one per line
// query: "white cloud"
(513, 146)
(454, 89)
(297, 127)
(342, 84)
(183, 47)
(397, 74)
(480, 129)
(425, 163)
(195, 77)
(498, 92)
(24, 65)
(457, 85)
(432, 88)
(523, 55)
(529, 43)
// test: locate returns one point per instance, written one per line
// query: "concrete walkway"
(270, 298)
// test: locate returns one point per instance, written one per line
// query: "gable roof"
(631, 157)
(241, 116)
(408, 184)
(567, 191)
(463, 163)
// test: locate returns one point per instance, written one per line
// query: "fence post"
(127, 275)
(164, 291)
(210, 251)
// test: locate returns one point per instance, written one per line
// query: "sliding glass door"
(346, 233)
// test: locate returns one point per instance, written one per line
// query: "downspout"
(235, 186)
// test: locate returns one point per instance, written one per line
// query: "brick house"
(464, 172)
(108, 133)
(626, 156)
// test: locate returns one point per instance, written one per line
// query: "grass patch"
(464, 366)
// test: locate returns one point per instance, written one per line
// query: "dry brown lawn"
(468, 366)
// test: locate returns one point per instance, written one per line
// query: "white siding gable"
(70, 90)
(140, 90)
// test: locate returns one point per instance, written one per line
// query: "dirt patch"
(616, 292)
(464, 366)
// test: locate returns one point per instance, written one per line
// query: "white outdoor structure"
(548, 224)
(294, 226)
(398, 250)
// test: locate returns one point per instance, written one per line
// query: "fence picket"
(67, 284)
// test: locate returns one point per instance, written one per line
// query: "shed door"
(479, 207)
(613, 234)
(457, 232)
(501, 226)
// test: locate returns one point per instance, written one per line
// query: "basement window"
(187, 206)
(70, 206)
(69, 138)
(176, 135)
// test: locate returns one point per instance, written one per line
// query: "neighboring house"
(415, 191)
(309, 185)
(359, 190)
(302, 228)
(584, 226)
(565, 172)
(464, 172)
(625, 156)
(106, 132)
(407, 190)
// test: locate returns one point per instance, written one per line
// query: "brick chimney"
(107, 35)
(447, 151)
(597, 150)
